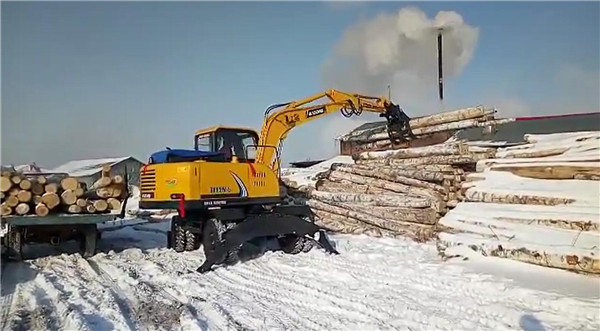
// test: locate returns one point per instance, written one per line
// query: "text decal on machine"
(315, 112)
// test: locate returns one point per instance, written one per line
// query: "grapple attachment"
(398, 124)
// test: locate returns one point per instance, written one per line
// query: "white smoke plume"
(400, 50)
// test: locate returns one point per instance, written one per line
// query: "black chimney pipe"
(440, 74)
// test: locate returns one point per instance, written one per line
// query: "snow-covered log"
(383, 200)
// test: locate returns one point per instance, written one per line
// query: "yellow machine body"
(204, 183)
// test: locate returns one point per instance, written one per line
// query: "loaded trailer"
(19, 230)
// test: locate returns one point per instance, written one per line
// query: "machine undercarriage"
(238, 234)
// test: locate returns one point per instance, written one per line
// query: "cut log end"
(100, 205)
(41, 209)
(41, 179)
(12, 201)
(81, 202)
(5, 209)
(37, 188)
(15, 179)
(25, 184)
(69, 183)
(90, 209)
(51, 188)
(118, 179)
(24, 196)
(22, 209)
(74, 209)
(5, 184)
(113, 204)
(51, 200)
(68, 197)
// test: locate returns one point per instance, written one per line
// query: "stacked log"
(39, 194)
(393, 193)
(537, 203)
(427, 130)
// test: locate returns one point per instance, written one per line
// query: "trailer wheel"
(88, 240)
(15, 243)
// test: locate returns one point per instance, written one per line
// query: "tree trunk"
(14, 191)
(409, 229)
(16, 179)
(74, 209)
(412, 152)
(79, 192)
(69, 183)
(342, 224)
(106, 170)
(113, 204)
(100, 205)
(51, 199)
(437, 200)
(5, 209)
(480, 196)
(426, 216)
(41, 209)
(51, 188)
(37, 188)
(425, 175)
(431, 160)
(90, 209)
(558, 171)
(41, 179)
(25, 184)
(24, 196)
(118, 179)
(81, 202)
(5, 184)
(449, 116)
(36, 199)
(379, 174)
(112, 191)
(346, 186)
(22, 209)
(101, 182)
(472, 123)
(68, 197)
(383, 200)
(11, 201)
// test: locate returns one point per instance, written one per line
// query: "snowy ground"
(375, 284)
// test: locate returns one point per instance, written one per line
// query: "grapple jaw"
(398, 124)
(273, 224)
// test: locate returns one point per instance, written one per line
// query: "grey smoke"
(400, 49)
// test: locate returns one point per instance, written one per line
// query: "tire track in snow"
(267, 275)
(122, 301)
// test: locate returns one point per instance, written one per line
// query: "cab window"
(203, 143)
(230, 143)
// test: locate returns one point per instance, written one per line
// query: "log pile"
(428, 130)
(393, 193)
(537, 203)
(41, 195)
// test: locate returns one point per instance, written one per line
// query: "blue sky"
(131, 78)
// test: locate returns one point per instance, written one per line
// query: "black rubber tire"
(292, 244)
(190, 241)
(212, 232)
(179, 238)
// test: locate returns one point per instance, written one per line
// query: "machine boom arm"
(281, 118)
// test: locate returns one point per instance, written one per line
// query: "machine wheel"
(213, 232)
(192, 242)
(179, 237)
(293, 244)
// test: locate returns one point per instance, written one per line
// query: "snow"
(82, 168)
(375, 283)
(584, 192)
(306, 176)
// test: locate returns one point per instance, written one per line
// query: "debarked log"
(389, 176)
(382, 200)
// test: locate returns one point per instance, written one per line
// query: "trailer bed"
(58, 219)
